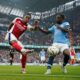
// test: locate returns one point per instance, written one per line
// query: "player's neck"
(24, 22)
(59, 22)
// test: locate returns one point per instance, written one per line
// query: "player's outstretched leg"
(23, 63)
(66, 59)
(49, 64)
(19, 47)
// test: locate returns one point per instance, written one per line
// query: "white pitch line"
(42, 75)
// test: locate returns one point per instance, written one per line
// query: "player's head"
(60, 18)
(36, 22)
(42, 49)
(27, 18)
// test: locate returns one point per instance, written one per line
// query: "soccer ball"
(53, 50)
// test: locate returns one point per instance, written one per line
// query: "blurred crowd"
(39, 38)
(31, 58)
(5, 57)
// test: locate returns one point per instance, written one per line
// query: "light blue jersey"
(42, 54)
(58, 35)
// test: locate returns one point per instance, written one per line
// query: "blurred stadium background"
(44, 11)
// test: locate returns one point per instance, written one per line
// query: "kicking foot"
(48, 72)
(64, 69)
(23, 71)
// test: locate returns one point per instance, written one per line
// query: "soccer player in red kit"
(15, 30)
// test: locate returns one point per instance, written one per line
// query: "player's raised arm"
(36, 26)
(44, 31)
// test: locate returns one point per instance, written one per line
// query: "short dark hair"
(61, 15)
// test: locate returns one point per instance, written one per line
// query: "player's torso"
(42, 53)
(18, 28)
(59, 35)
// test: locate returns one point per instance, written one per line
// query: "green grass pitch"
(37, 73)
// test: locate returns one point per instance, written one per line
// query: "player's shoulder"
(18, 18)
(52, 26)
(66, 23)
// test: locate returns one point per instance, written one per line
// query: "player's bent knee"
(23, 50)
(66, 51)
(11, 42)
(16, 45)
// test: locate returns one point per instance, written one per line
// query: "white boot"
(23, 71)
(48, 71)
(64, 69)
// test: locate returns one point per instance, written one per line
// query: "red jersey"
(18, 28)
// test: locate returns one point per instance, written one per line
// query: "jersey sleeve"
(14, 20)
(66, 25)
(51, 29)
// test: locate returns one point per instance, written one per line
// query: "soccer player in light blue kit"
(42, 56)
(60, 40)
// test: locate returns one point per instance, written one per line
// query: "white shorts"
(60, 46)
(20, 56)
(43, 58)
(11, 37)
